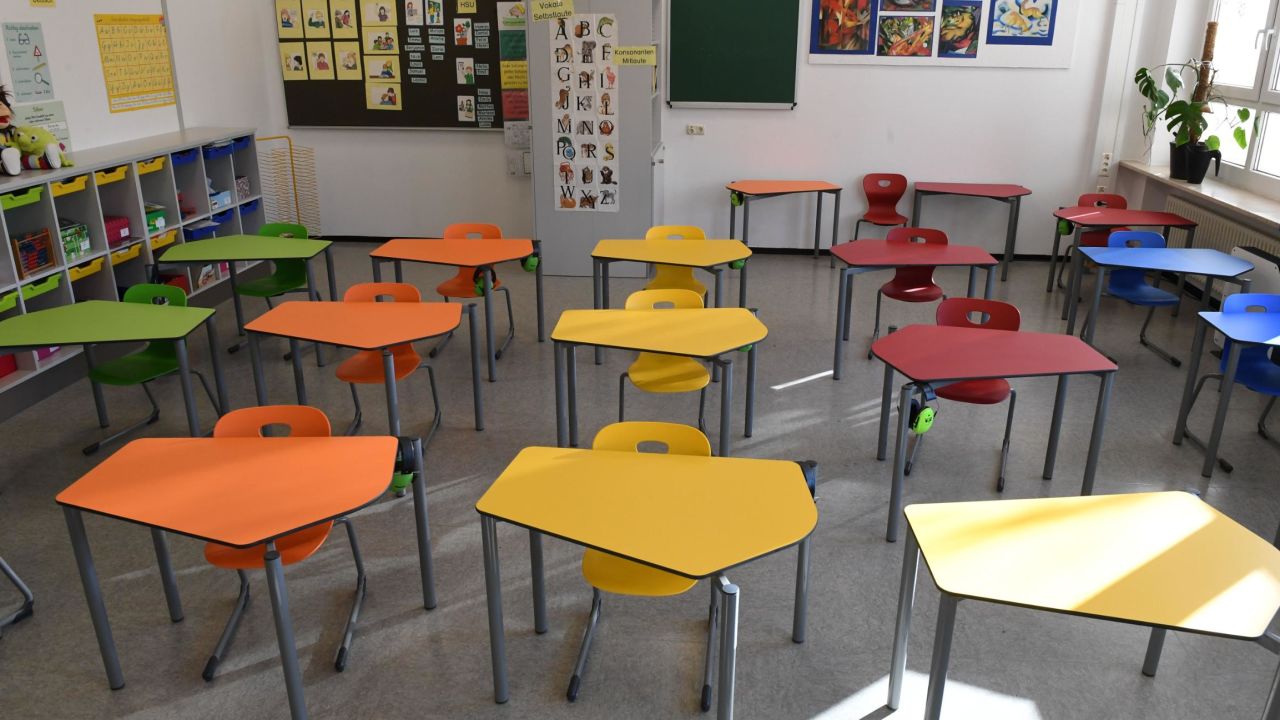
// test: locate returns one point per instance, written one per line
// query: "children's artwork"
(346, 56)
(435, 12)
(380, 41)
(343, 23)
(293, 60)
(383, 68)
(378, 13)
(1022, 22)
(958, 28)
(584, 99)
(382, 96)
(289, 21)
(905, 36)
(466, 108)
(466, 68)
(320, 60)
(843, 27)
(462, 32)
(316, 14)
(908, 5)
(413, 14)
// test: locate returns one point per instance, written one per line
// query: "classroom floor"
(646, 661)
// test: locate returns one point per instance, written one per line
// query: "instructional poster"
(135, 61)
(28, 62)
(403, 63)
(585, 112)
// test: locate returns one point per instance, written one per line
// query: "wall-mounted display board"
(403, 63)
(740, 54)
(959, 33)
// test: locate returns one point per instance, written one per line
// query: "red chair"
(1095, 238)
(991, 315)
(910, 284)
(464, 284)
(883, 191)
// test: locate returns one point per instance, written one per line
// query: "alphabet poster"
(585, 112)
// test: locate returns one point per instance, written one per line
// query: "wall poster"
(28, 57)
(585, 112)
(135, 61)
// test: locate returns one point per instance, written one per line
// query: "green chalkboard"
(733, 52)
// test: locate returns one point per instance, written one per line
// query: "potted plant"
(1191, 149)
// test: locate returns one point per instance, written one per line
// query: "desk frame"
(1010, 233)
(817, 220)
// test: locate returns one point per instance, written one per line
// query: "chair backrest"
(675, 232)
(462, 231)
(1129, 278)
(930, 236)
(629, 436)
(373, 291)
(652, 299)
(1107, 200)
(1243, 303)
(150, 293)
(288, 230)
(301, 420)
(992, 314)
(884, 190)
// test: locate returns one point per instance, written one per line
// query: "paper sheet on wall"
(135, 61)
(49, 115)
(584, 109)
(28, 62)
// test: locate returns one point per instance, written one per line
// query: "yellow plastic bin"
(126, 254)
(164, 239)
(150, 166)
(66, 187)
(105, 177)
(80, 272)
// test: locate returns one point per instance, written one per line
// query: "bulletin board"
(436, 64)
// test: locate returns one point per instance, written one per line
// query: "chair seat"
(1098, 238)
(134, 369)
(656, 373)
(910, 292)
(269, 286)
(1142, 294)
(1261, 375)
(976, 392)
(293, 548)
(365, 367)
(616, 575)
(884, 218)
(462, 286)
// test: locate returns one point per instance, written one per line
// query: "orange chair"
(365, 367)
(910, 284)
(1095, 238)
(658, 373)
(302, 421)
(464, 284)
(675, 277)
(883, 191)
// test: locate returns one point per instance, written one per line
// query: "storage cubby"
(217, 167)
(121, 201)
(32, 230)
(128, 268)
(80, 227)
(47, 292)
(252, 217)
(156, 178)
(244, 162)
(92, 280)
(226, 222)
(193, 189)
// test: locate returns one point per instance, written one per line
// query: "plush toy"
(10, 155)
(41, 149)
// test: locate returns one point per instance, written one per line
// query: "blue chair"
(1132, 286)
(1256, 370)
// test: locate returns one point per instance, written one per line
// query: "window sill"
(1215, 193)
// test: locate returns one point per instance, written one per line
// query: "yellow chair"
(657, 373)
(675, 277)
(610, 573)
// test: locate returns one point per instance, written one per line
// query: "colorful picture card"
(383, 68)
(344, 19)
(1022, 22)
(908, 5)
(843, 27)
(380, 41)
(347, 57)
(905, 36)
(316, 13)
(293, 60)
(382, 96)
(289, 20)
(378, 13)
(320, 60)
(958, 28)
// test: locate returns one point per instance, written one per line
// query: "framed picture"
(908, 5)
(958, 29)
(843, 27)
(905, 36)
(1022, 22)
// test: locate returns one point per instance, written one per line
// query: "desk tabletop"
(689, 253)
(359, 325)
(244, 248)
(236, 491)
(698, 333)
(988, 190)
(100, 321)
(1101, 217)
(469, 252)
(1190, 261)
(781, 187)
(692, 516)
(1165, 559)
(881, 253)
(1246, 327)
(933, 353)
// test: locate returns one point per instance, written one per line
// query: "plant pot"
(1178, 158)
(1198, 163)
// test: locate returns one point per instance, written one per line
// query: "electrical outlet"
(1105, 169)
(695, 130)
(1102, 188)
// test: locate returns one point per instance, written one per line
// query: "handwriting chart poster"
(135, 61)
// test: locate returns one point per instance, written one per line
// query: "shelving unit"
(119, 181)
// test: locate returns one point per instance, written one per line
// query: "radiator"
(1220, 233)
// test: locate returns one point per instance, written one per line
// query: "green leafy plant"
(1186, 118)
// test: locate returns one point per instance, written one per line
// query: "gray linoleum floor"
(646, 662)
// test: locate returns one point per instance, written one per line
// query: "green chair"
(287, 276)
(158, 359)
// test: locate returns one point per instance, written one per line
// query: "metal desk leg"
(1053, 256)
(562, 422)
(817, 225)
(835, 219)
(539, 582)
(604, 303)
(1055, 427)
(1010, 237)
(571, 374)
(93, 596)
(259, 381)
(99, 400)
(168, 580)
(537, 284)
(1272, 710)
(399, 266)
(991, 283)
(188, 397)
(941, 655)
(1193, 370)
(493, 598)
(1070, 303)
(328, 267)
(746, 218)
(750, 415)
(313, 294)
(915, 208)
(235, 302)
(845, 281)
(742, 285)
(219, 381)
(729, 599)
(1220, 418)
(596, 292)
(299, 383)
(1095, 437)
(801, 610)
(377, 269)
(1156, 644)
(898, 487)
(1182, 279)
(393, 402)
(733, 216)
(973, 281)
(477, 402)
(902, 632)
(1091, 320)
(882, 442)
(718, 297)
(726, 406)
(488, 277)
(426, 569)
(284, 633)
